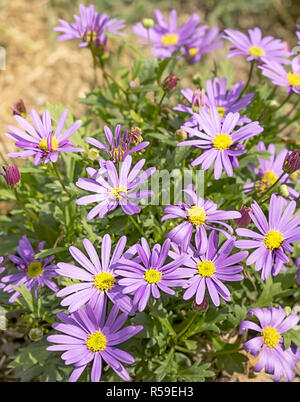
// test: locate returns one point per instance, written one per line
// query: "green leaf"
(195, 373)
(50, 251)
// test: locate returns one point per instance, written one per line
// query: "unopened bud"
(19, 108)
(198, 100)
(284, 190)
(245, 219)
(295, 176)
(180, 135)
(135, 135)
(11, 175)
(148, 23)
(288, 310)
(170, 82)
(292, 162)
(93, 154)
(196, 79)
(201, 308)
(35, 334)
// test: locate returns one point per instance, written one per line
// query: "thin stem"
(283, 103)
(249, 79)
(31, 214)
(136, 225)
(182, 332)
(158, 109)
(271, 187)
(60, 179)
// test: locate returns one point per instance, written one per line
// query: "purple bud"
(201, 308)
(170, 82)
(198, 100)
(19, 108)
(245, 219)
(292, 162)
(11, 175)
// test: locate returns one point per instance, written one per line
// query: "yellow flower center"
(222, 141)
(115, 192)
(270, 337)
(196, 215)
(273, 239)
(169, 39)
(256, 51)
(44, 144)
(293, 79)
(91, 36)
(269, 177)
(104, 281)
(35, 269)
(206, 268)
(221, 110)
(193, 51)
(96, 342)
(152, 276)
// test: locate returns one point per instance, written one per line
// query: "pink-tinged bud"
(245, 219)
(198, 100)
(292, 162)
(135, 135)
(11, 175)
(170, 82)
(19, 108)
(201, 308)
(180, 135)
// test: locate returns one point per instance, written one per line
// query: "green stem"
(158, 109)
(271, 187)
(249, 79)
(182, 332)
(60, 179)
(31, 214)
(137, 226)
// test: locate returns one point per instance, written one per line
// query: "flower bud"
(245, 219)
(148, 23)
(11, 174)
(292, 162)
(284, 190)
(201, 308)
(135, 135)
(196, 79)
(180, 135)
(35, 334)
(93, 154)
(19, 108)
(295, 176)
(170, 82)
(198, 100)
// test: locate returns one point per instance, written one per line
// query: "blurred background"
(39, 69)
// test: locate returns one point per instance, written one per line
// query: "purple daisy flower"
(152, 274)
(275, 236)
(203, 41)
(119, 146)
(116, 189)
(269, 171)
(86, 337)
(217, 95)
(167, 37)
(222, 146)
(255, 47)
(279, 76)
(200, 214)
(98, 279)
(89, 27)
(39, 141)
(33, 272)
(210, 268)
(273, 357)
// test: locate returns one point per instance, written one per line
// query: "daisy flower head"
(40, 140)
(114, 189)
(221, 144)
(256, 47)
(204, 40)
(210, 268)
(88, 337)
(152, 274)
(281, 77)
(89, 27)
(33, 272)
(275, 237)
(98, 280)
(166, 37)
(118, 146)
(269, 171)
(216, 94)
(198, 214)
(268, 345)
